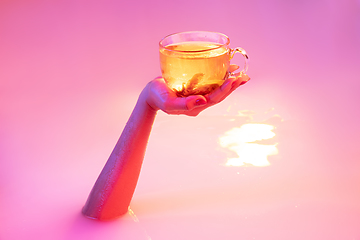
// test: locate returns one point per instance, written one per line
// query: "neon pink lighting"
(70, 75)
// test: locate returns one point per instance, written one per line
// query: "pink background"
(70, 74)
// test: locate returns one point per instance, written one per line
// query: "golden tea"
(194, 67)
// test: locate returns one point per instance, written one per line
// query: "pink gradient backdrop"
(70, 74)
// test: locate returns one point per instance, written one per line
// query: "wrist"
(146, 101)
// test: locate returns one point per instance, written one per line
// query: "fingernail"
(243, 82)
(200, 102)
(225, 85)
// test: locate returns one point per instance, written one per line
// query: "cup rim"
(189, 32)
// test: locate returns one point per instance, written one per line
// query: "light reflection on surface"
(135, 219)
(242, 140)
(71, 74)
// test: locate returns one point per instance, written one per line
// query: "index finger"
(228, 87)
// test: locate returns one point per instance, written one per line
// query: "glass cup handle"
(243, 52)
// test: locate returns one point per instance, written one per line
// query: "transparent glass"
(196, 62)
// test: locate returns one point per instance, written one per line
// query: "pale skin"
(111, 195)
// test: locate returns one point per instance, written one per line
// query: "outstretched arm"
(114, 188)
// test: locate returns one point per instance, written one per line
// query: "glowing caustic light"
(242, 140)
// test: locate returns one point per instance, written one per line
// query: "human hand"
(160, 97)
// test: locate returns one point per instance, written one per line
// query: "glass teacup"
(196, 63)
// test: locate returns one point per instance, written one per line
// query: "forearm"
(113, 190)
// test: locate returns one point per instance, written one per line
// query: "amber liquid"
(192, 68)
